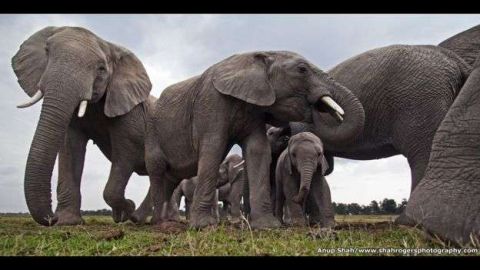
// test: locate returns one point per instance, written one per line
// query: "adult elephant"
(72, 68)
(446, 202)
(406, 92)
(231, 102)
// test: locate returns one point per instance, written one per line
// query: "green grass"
(100, 236)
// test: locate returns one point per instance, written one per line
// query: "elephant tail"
(465, 44)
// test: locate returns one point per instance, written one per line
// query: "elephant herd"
(289, 117)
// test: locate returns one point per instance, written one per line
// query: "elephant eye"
(302, 69)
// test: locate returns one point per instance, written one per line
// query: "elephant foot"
(267, 221)
(66, 218)
(123, 214)
(322, 223)
(140, 216)
(202, 220)
(404, 220)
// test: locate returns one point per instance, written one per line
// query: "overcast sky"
(176, 47)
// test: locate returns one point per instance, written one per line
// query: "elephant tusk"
(339, 116)
(332, 104)
(239, 164)
(38, 95)
(82, 108)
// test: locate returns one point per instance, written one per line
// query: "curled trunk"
(328, 129)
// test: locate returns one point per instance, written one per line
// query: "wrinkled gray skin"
(300, 180)
(228, 104)
(406, 92)
(68, 65)
(446, 202)
(229, 187)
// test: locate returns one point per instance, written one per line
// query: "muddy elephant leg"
(211, 155)
(188, 203)
(70, 167)
(114, 192)
(256, 151)
(320, 203)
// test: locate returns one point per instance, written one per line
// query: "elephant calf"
(300, 168)
(229, 190)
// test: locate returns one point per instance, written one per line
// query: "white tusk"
(239, 164)
(82, 108)
(339, 116)
(330, 102)
(38, 95)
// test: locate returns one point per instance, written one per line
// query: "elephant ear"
(129, 84)
(288, 163)
(245, 77)
(30, 61)
(324, 164)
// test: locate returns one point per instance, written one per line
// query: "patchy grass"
(100, 236)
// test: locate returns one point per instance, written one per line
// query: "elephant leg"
(70, 167)
(174, 205)
(162, 189)
(144, 210)
(320, 203)
(297, 215)
(415, 144)
(114, 192)
(211, 155)
(233, 204)
(188, 203)
(256, 151)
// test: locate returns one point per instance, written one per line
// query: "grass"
(100, 236)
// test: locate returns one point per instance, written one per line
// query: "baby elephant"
(228, 190)
(300, 182)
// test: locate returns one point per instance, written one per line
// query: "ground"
(100, 236)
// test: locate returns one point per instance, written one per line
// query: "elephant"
(194, 124)
(300, 180)
(406, 91)
(445, 202)
(229, 188)
(72, 68)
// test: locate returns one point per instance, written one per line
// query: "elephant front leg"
(256, 151)
(144, 210)
(211, 155)
(296, 213)
(320, 203)
(114, 192)
(70, 167)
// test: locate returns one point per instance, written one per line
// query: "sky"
(175, 47)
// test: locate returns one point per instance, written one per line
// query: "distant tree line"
(385, 207)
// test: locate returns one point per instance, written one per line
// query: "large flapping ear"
(244, 76)
(30, 61)
(129, 84)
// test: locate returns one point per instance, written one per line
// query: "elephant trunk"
(331, 132)
(306, 174)
(57, 110)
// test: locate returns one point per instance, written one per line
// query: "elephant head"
(70, 67)
(305, 153)
(446, 201)
(230, 169)
(290, 88)
(278, 138)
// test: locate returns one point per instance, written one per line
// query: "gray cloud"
(175, 47)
